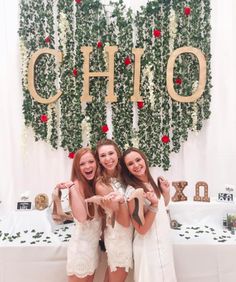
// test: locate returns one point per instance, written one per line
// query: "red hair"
(77, 175)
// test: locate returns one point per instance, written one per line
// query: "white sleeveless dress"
(153, 255)
(118, 239)
(83, 248)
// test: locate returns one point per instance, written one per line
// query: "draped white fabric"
(210, 156)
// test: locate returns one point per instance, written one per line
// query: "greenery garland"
(158, 125)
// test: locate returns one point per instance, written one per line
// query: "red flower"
(44, 118)
(156, 33)
(47, 39)
(140, 104)
(178, 81)
(75, 72)
(78, 1)
(127, 61)
(165, 139)
(99, 44)
(104, 128)
(71, 155)
(187, 11)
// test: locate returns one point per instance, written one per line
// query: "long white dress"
(118, 239)
(153, 255)
(83, 248)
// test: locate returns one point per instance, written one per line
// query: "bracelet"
(152, 209)
(71, 185)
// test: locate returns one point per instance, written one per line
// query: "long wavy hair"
(130, 179)
(76, 174)
(103, 176)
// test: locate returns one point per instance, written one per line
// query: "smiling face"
(108, 158)
(136, 165)
(88, 166)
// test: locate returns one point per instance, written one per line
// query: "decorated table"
(204, 251)
(32, 248)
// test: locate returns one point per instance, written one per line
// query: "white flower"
(195, 86)
(150, 75)
(172, 29)
(64, 28)
(49, 124)
(24, 61)
(135, 141)
(194, 117)
(126, 146)
(86, 131)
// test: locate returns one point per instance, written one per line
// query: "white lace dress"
(153, 256)
(83, 248)
(118, 240)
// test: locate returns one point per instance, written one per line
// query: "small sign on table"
(24, 205)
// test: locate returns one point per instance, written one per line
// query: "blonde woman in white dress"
(152, 250)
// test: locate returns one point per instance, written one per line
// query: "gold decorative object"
(202, 74)
(111, 50)
(31, 79)
(197, 196)
(179, 195)
(41, 201)
(138, 52)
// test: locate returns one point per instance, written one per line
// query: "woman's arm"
(103, 190)
(165, 189)
(77, 202)
(149, 215)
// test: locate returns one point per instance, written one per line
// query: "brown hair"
(76, 174)
(103, 176)
(130, 179)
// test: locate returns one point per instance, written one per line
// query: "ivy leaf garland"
(158, 125)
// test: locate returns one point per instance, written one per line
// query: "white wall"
(210, 156)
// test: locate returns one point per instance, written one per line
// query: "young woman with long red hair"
(83, 247)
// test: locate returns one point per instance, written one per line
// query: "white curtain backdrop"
(32, 166)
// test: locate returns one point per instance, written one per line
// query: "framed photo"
(225, 197)
(24, 206)
(41, 201)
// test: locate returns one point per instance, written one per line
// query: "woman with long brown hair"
(83, 248)
(152, 250)
(118, 231)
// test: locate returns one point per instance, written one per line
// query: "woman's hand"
(115, 197)
(152, 197)
(112, 201)
(164, 185)
(65, 185)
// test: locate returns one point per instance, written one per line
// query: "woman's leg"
(106, 278)
(117, 276)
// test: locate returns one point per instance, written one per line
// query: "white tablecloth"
(33, 249)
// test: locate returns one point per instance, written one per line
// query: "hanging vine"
(158, 125)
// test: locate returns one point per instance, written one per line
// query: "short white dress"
(83, 249)
(153, 255)
(118, 239)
